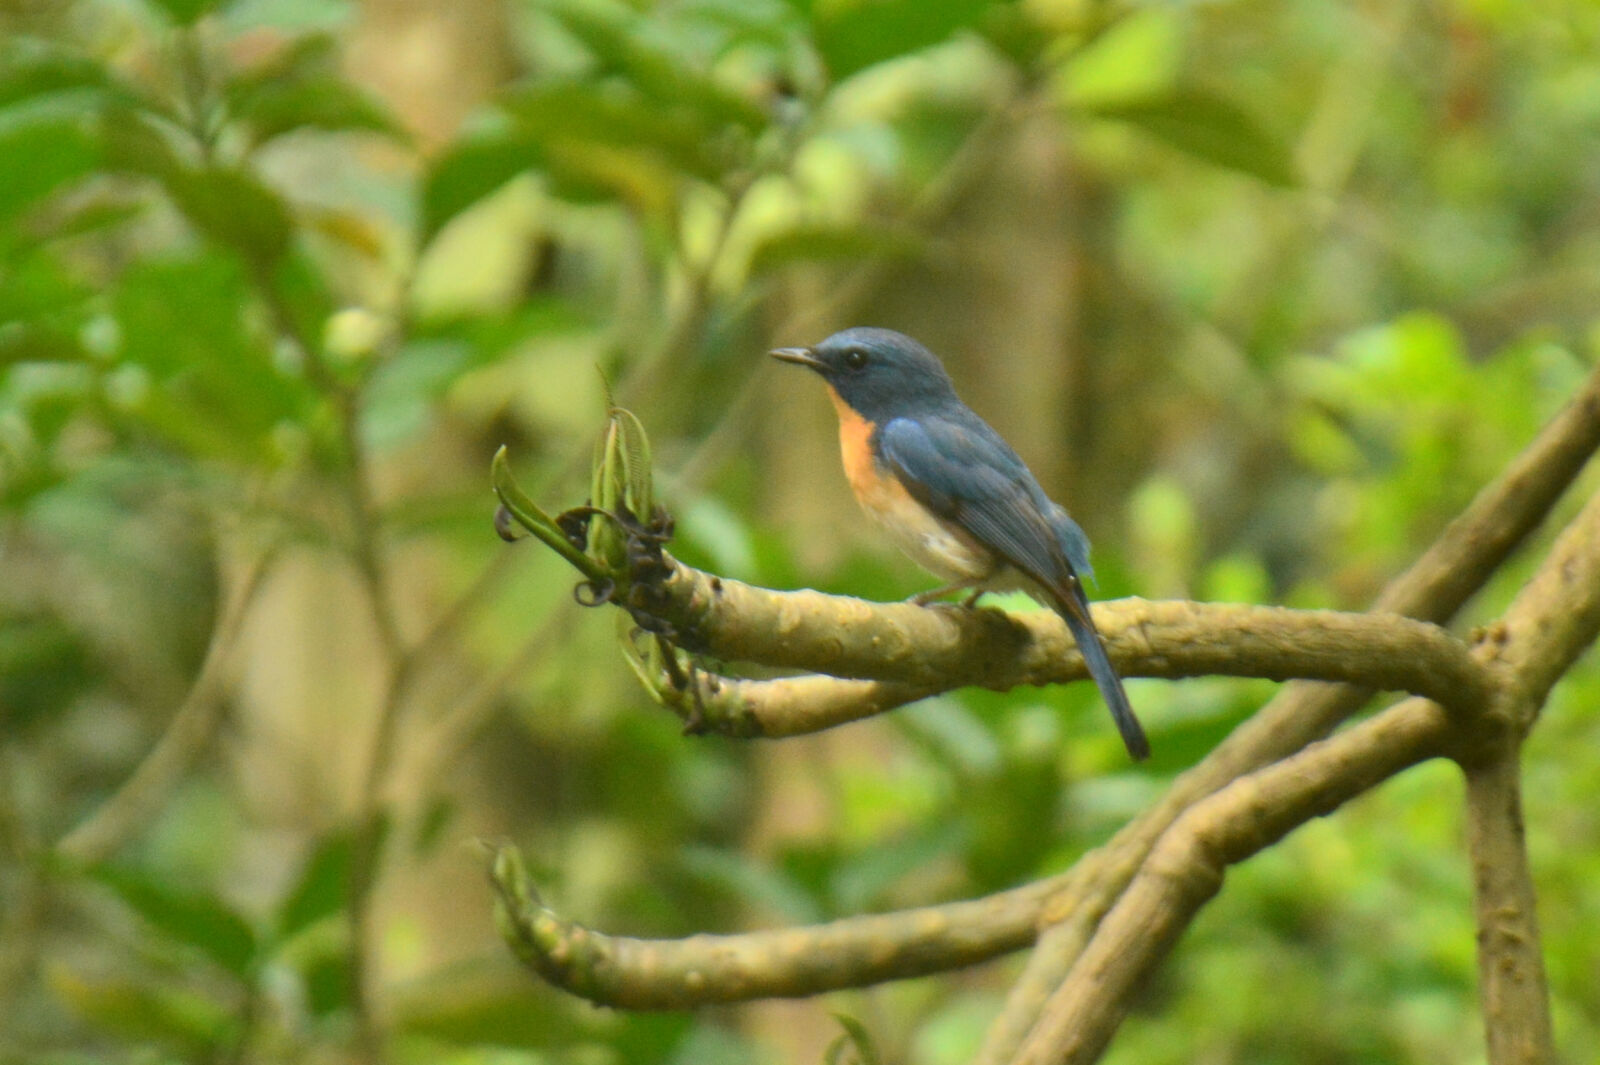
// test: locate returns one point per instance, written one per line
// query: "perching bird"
(953, 493)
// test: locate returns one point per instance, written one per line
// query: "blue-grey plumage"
(952, 492)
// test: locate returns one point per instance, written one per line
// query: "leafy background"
(1263, 291)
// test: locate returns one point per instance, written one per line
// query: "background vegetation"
(1263, 291)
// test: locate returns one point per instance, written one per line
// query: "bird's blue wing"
(1072, 540)
(964, 472)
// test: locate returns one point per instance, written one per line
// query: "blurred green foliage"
(1265, 292)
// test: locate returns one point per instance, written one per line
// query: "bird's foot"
(934, 597)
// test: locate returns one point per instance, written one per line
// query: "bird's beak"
(799, 356)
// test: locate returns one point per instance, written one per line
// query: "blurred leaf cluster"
(1264, 292)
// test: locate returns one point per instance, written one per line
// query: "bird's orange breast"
(937, 545)
(855, 448)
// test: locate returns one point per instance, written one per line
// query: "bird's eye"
(854, 359)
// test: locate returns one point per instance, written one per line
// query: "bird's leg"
(927, 598)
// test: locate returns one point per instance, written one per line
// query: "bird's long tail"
(1073, 606)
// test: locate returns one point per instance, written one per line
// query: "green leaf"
(331, 104)
(199, 920)
(39, 294)
(1136, 58)
(618, 38)
(824, 242)
(469, 171)
(187, 12)
(323, 887)
(854, 36)
(225, 204)
(186, 1023)
(302, 89)
(619, 118)
(1209, 128)
(214, 387)
(855, 1041)
(136, 142)
(41, 156)
(300, 286)
(327, 982)
(233, 208)
(36, 342)
(30, 70)
(530, 517)
(44, 666)
(87, 216)
(637, 463)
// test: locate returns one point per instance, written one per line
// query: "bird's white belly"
(937, 546)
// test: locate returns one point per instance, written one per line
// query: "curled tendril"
(574, 524)
(648, 622)
(504, 526)
(594, 593)
(694, 720)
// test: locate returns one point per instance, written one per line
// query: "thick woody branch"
(791, 706)
(1511, 979)
(921, 650)
(684, 973)
(879, 655)
(1186, 868)
(1554, 619)
(1202, 639)
(1433, 588)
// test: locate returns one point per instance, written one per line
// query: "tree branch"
(1177, 638)
(1553, 620)
(1471, 548)
(923, 651)
(878, 654)
(113, 822)
(1185, 869)
(1511, 981)
(785, 963)
(938, 648)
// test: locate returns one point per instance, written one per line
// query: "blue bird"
(953, 493)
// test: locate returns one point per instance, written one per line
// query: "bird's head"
(878, 372)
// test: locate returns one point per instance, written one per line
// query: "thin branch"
(791, 706)
(786, 963)
(1185, 869)
(188, 734)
